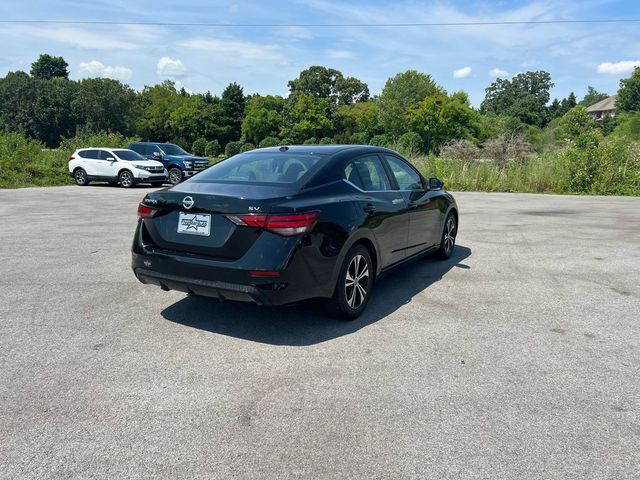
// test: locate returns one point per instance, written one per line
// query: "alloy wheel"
(175, 176)
(126, 179)
(81, 177)
(357, 281)
(450, 234)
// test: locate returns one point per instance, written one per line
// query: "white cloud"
(298, 33)
(170, 68)
(498, 73)
(331, 53)
(95, 68)
(625, 66)
(463, 72)
(235, 48)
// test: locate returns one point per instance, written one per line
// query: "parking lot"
(518, 358)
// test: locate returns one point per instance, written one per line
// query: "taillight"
(283, 224)
(145, 212)
(71, 158)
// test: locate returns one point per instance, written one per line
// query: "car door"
(424, 221)
(109, 164)
(90, 162)
(386, 210)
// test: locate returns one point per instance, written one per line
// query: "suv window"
(138, 147)
(405, 175)
(90, 154)
(367, 173)
(103, 155)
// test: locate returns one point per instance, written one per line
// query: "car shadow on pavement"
(307, 323)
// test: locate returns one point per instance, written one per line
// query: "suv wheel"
(175, 176)
(80, 176)
(126, 179)
(354, 284)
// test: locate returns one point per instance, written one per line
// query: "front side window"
(103, 155)
(172, 149)
(128, 155)
(367, 173)
(262, 168)
(405, 175)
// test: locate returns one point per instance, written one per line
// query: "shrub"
(460, 150)
(232, 148)
(246, 147)
(310, 141)
(506, 148)
(212, 149)
(359, 138)
(199, 147)
(269, 142)
(409, 143)
(380, 140)
(101, 139)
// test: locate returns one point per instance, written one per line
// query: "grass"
(609, 166)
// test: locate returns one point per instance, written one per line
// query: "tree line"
(412, 113)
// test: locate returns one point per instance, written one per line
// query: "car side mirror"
(157, 155)
(435, 184)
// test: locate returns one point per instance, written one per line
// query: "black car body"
(283, 222)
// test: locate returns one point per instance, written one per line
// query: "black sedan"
(282, 224)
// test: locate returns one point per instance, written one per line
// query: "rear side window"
(367, 173)
(406, 176)
(90, 154)
(263, 168)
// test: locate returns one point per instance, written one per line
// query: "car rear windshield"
(263, 167)
(128, 155)
(171, 149)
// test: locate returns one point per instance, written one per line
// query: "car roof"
(323, 149)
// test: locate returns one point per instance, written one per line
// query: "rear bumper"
(208, 288)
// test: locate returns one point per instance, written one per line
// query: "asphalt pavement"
(517, 359)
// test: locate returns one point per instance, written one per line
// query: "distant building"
(604, 108)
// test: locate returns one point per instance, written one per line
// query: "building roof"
(605, 105)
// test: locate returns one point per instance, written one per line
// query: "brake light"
(145, 212)
(264, 273)
(71, 158)
(282, 224)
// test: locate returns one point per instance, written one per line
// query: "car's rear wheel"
(354, 284)
(175, 176)
(80, 176)
(126, 179)
(448, 240)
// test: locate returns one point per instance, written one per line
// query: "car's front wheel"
(80, 176)
(175, 176)
(448, 240)
(126, 179)
(354, 283)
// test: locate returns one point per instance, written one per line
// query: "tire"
(175, 176)
(448, 240)
(126, 179)
(355, 283)
(80, 176)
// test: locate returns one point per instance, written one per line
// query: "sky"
(263, 59)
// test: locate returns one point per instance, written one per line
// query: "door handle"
(370, 209)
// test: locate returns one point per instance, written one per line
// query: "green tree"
(232, 148)
(17, 108)
(574, 123)
(212, 149)
(263, 117)
(401, 93)
(103, 104)
(199, 147)
(157, 103)
(593, 96)
(233, 103)
(331, 84)
(440, 118)
(358, 118)
(307, 116)
(410, 143)
(629, 93)
(524, 97)
(195, 118)
(47, 67)
(53, 119)
(269, 142)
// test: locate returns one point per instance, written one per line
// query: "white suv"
(115, 165)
